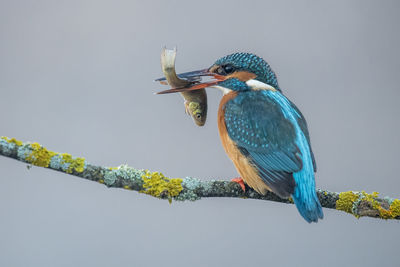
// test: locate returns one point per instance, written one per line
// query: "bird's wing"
(262, 133)
(303, 126)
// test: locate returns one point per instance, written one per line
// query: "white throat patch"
(257, 85)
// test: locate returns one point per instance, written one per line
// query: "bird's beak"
(195, 77)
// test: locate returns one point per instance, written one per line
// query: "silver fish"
(195, 101)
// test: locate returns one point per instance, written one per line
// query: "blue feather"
(271, 133)
(304, 195)
(270, 146)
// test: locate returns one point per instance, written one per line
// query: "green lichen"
(346, 201)
(74, 164)
(191, 183)
(389, 199)
(8, 145)
(208, 185)
(187, 195)
(39, 155)
(12, 140)
(110, 177)
(129, 173)
(157, 185)
(125, 172)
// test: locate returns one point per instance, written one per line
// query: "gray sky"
(77, 77)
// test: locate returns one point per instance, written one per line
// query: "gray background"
(77, 77)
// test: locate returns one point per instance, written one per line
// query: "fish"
(195, 101)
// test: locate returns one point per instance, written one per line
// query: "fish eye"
(220, 71)
(198, 116)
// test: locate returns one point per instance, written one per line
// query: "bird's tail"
(307, 202)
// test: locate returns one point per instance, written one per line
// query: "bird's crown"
(247, 62)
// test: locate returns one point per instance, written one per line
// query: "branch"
(157, 185)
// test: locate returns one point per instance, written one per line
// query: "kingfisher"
(262, 131)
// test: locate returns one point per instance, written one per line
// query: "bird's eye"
(225, 69)
(228, 69)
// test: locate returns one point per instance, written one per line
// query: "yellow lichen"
(101, 181)
(371, 198)
(127, 187)
(395, 208)
(392, 212)
(40, 156)
(346, 201)
(157, 185)
(77, 164)
(12, 140)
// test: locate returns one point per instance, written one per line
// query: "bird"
(263, 133)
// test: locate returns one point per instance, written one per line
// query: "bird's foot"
(240, 181)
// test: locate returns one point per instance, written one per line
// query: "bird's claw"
(240, 181)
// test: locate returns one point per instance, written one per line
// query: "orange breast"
(246, 170)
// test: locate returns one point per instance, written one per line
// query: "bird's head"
(234, 72)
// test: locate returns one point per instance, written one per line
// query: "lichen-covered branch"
(156, 184)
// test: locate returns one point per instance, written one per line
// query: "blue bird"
(263, 133)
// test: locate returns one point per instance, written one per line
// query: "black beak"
(191, 76)
(195, 77)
